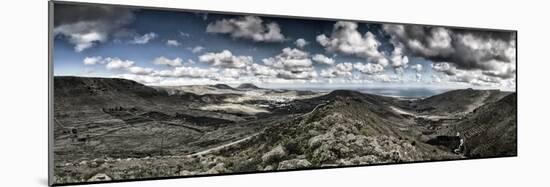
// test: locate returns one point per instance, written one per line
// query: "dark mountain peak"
(97, 80)
(358, 96)
(222, 86)
(467, 93)
(248, 86)
(353, 95)
(72, 82)
(345, 93)
(471, 91)
(77, 86)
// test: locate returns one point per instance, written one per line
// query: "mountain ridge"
(248, 86)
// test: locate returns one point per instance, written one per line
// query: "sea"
(398, 92)
(404, 92)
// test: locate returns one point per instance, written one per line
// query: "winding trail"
(316, 107)
(399, 111)
(429, 117)
(224, 145)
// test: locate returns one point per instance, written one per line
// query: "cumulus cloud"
(92, 60)
(150, 75)
(368, 68)
(398, 59)
(465, 49)
(470, 77)
(386, 78)
(168, 62)
(196, 49)
(307, 75)
(111, 63)
(225, 59)
(292, 63)
(192, 72)
(322, 59)
(140, 70)
(261, 70)
(475, 78)
(117, 63)
(444, 67)
(505, 72)
(172, 43)
(435, 78)
(184, 34)
(85, 26)
(293, 60)
(248, 27)
(346, 39)
(417, 67)
(82, 39)
(232, 72)
(143, 39)
(418, 77)
(345, 68)
(339, 70)
(422, 40)
(114, 63)
(328, 73)
(301, 43)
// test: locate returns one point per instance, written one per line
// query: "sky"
(169, 48)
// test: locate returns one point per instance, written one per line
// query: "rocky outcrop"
(99, 177)
(275, 154)
(219, 168)
(294, 164)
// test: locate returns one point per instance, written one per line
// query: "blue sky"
(157, 47)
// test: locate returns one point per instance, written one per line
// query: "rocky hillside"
(490, 130)
(112, 92)
(457, 101)
(78, 92)
(347, 130)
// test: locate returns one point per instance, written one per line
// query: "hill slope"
(343, 131)
(491, 130)
(248, 86)
(457, 102)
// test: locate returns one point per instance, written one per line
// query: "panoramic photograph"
(142, 93)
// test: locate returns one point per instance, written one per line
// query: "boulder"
(275, 154)
(100, 177)
(268, 168)
(185, 173)
(219, 168)
(294, 164)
